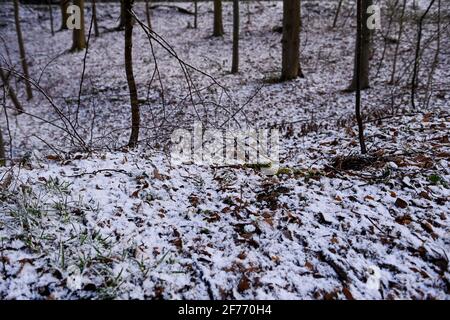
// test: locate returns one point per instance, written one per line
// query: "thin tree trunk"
(64, 4)
(50, 11)
(135, 114)
(94, 18)
(365, 50)
(291, 40)
(79, 38)
(397, 46)
(121, 25)
(359, 35)
(147, 14)
(195, 13)
(218, 24)
(23, 59)
(417, 56)
(391, 19)
(429, 91)
(2, 150)
(10, 92)
(338, 10)
(248, 13)
(235, 63)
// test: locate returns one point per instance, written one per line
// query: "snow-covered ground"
(128, 224)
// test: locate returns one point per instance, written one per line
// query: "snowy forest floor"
(114, 223)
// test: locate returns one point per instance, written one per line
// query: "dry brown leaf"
(425, 195)
(244, 284)
(347, 293)
(194, 200)
(242, 255)
(135, 194)
(404, 220)
(427, 227)
(400, 203)
(426, 117)
(53, 157)
(309, 266)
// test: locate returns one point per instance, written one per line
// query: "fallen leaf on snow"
(400, 203)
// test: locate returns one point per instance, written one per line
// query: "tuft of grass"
(313, 174)
(258, 166)
(39, 211)
(437, 179)
(286, 171)
(53, 184)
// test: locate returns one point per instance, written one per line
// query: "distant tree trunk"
(64, 4)
(235, 63)
(392, 9)
(195, 13)
(94, 18)
(121, 25)
(147, 14)
(2, 151)
(416, 68)
(338, 10)
(50, 11)
(218, 24)
(365, 50)
(135, 114)
(79, 39)
(23, 58)
(397, 46)
(10, 92)
(248, 13)
(429, 89)
(358, 56)
(291, 40)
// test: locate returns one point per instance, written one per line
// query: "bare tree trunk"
(338, 10)
(392, 10)
(195, 13)
(121, 25)
(147, 14)
(365, 50)
(10, 92)
(23, 59)
(359, 35)
(218, 24)
(135, 114)
(248, 13)
(2, 151)
(64, 4)
(429, 91)
(397, 46)
(235, 63)
(94, 18)
(79, 39)
(50, 11)
(417, 56)
(291, 40)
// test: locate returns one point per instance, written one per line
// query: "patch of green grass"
(228, 201)
(111, 286)
(57, 186)
(49, 220)
(286, 171)
(313, 174)
(437, 179)
(258, 166)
